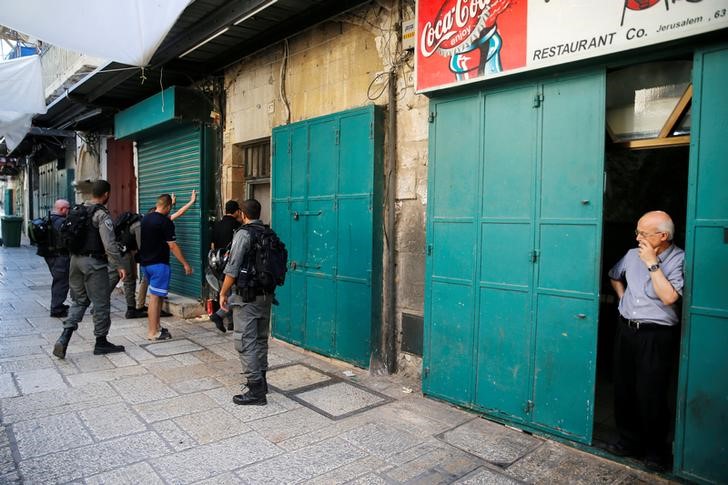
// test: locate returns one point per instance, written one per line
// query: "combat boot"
(133, 312)
(255, 396)
(59, 349)
(103, 346)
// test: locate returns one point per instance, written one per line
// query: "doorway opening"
(646, 168)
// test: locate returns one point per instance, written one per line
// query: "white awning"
(127, 31)
(21, 96)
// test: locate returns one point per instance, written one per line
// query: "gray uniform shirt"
(640, 302)
(238, 248)
(102, 221)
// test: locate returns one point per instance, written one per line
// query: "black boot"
(133, 312)
(59, 349)
(265, 382)
(103, 346)
(217, 320)
(255, 396)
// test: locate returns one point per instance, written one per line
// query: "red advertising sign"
(462, 41)
(466, 39)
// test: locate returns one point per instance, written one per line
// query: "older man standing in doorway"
(648, 281)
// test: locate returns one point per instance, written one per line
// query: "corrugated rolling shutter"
(171, 163)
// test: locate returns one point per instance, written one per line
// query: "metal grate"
(256, 159)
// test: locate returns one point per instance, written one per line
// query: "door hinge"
(290, 145)
(273, 149)
(371, 130)
(432, 117)
(534, 255)
(425, 372)
(538, 100)
(338, 136)
(528, 408)
(429, 249)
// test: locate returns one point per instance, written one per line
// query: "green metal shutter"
(171, 163)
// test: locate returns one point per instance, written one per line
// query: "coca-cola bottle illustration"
(480, 56)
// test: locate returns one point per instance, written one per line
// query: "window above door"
(648, 105)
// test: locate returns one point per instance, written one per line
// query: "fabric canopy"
(127, 31)
(21, 97)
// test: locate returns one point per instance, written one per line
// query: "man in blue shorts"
(158, 239)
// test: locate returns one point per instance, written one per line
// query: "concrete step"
(183, 306)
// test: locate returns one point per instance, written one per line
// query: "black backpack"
(122, 230)
(73, 232)
(39, 231)
(266, 262)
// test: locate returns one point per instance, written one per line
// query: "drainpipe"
(390, 285)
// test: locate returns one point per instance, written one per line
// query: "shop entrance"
(646, 168)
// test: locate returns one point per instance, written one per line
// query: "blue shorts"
(158, 276)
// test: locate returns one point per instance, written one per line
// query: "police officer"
(129, 265)
(58, 260)
(222, 235)
(89, 278)
(251, 319)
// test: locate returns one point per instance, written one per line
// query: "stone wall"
(335, 66)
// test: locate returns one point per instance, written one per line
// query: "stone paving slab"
(211, 425)
(172, 347)
(381, 441)
(112, 421)
(92, 459)
(302, 464)
(50, 434)
(340, 399)
(207, 461)
(295, 377)
(492, 442)
(140, 389)
(57, 401)
(174, 407)
(7, 386)
(128, 475)
(289, 424)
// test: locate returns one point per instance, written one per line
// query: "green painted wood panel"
(568, 239)
(701, 448)
(452, 242)
(330, 301)
(516, 206)
(172, 162)
(506, 271)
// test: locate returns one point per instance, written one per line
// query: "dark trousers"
(58, 266)
(644, 363)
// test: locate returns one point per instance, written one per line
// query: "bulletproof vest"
(92, 241)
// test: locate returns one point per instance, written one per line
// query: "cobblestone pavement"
(162, 413)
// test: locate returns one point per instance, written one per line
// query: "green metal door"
(568, 254)
(324, 196)
(174, 162)
(514, 232)
(701, 446)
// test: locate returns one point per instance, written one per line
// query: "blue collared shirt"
(640, 302)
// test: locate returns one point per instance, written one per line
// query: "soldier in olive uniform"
(89, 278)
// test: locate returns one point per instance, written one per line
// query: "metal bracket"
(431, 118)
(533, 255)
(538, 100)
(528, 408)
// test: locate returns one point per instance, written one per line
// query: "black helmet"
(217, 260)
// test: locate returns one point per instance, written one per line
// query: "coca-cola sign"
(458, 24)
(460, 41)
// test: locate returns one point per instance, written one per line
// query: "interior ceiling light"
(206, 41)
(256, 11)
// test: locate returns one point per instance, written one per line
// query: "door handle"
(581, 316)
(297, 215)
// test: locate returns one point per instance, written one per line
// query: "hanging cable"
(282, 85)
